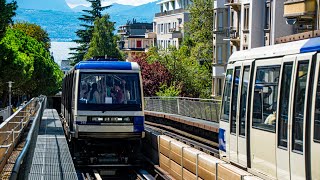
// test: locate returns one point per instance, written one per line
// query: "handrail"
(15, 171)
(205, 109)
(14, 114)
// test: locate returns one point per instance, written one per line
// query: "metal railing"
(4, 114)
(170, 12)
(205, 109)
(12, 128)
(22, 165)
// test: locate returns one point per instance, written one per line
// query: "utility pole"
(10, 86)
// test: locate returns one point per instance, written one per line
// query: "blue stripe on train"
(311, 45)
(104, 65)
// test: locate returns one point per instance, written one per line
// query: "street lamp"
(10, 86)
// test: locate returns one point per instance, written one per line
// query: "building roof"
(164, 1)
(302, 46)
(107, 65)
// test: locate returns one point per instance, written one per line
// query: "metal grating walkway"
(51, 158)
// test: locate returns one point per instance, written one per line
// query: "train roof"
(107, 65)
(296, 47)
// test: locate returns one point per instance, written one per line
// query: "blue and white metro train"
(270, 114)
(103, 100)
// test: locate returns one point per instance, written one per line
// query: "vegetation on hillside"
(25, 60)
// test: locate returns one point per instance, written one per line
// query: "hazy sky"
(73, 3)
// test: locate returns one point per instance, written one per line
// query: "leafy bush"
(170, 91)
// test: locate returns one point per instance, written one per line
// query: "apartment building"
(132, 38)
(221, 47)
(304, 17)
(249, 24)
(169, 22)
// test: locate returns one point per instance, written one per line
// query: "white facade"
(169, 22)
(250, 24)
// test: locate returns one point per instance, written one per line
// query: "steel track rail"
(202, 144)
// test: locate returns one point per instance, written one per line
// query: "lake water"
(61, 50)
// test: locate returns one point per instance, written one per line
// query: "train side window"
(243, 104)
(226, 96)
(299, 105)
(284, 102)
(316, 132)
(234, 104)
(265, 98)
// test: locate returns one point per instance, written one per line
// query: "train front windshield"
(109, 92)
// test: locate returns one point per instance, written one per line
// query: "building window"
(246, 17)
(161, 28)
(139, 44)
(173, 5)
(219, 87)
(267, 16)
(215, 23)
(232, 19)
(220, 24)
(219, 49)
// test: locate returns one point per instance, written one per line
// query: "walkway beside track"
(51, 158)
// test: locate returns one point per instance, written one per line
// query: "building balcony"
(233, 36)
(299, 36)
(122, 32)
(234, 4)
(301, 9)
(219, 30)
(165, 13)
(150, 35)
(173, 33)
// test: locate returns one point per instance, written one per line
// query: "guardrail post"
(12, 131)
(178, 105)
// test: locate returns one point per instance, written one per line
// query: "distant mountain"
(80, 8)
(62, 24)
(145, 10)
(115, 8)
(56, 5)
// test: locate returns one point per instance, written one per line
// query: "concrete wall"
(279, 26)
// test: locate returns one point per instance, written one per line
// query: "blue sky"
(73, 3)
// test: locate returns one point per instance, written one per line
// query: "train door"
(284, 117)
(315, 125)
(263, 116)
(300, 134)
(238, 119)
(224, 125)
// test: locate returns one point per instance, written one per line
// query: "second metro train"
(270, 115)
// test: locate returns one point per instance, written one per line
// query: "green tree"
(25, 61)
(200, 31)
(35, 31)
(189, 78)
(85, 34)
(103, 41)
(7, 11)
